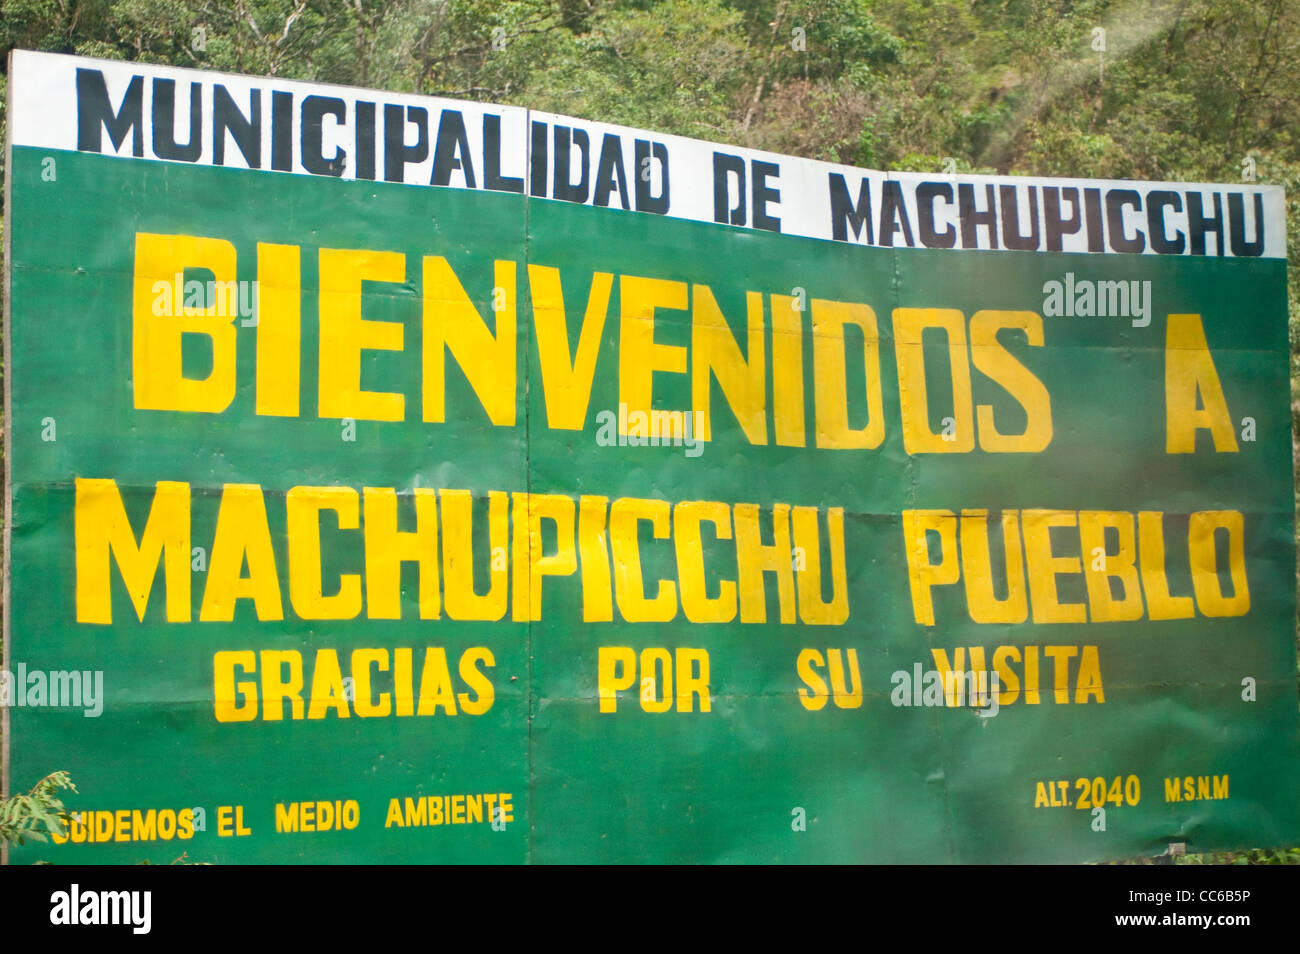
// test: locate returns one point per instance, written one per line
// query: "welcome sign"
(400, 479)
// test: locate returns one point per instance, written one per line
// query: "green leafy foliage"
(38, 813)
(1256, 856)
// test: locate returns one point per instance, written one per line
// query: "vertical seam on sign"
(528, 484)
(6, 631)
(950, 845)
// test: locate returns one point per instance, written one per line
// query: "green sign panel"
(399, 479)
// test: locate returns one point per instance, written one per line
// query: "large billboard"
(399, 479)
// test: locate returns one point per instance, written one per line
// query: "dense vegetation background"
(1192, 90)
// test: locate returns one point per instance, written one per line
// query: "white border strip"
(143, 111)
